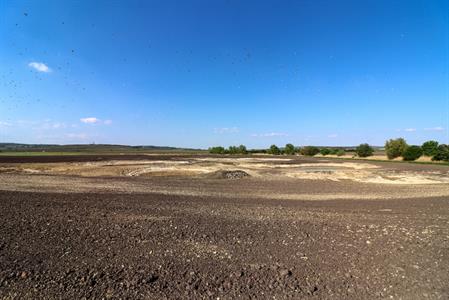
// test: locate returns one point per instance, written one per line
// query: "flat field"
(209, 227)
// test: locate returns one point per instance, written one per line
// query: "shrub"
(364, 150)
(325, 151)
(242, 149)
(217, 150)
(395, 147)
(274, 150)
(237, 150)
(340, 152)
(289, 149)
(442, 153)
(412, 153)
(430, 148)
(310, 150)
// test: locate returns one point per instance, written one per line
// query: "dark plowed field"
(135, 246)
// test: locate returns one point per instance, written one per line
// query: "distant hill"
(13, 147)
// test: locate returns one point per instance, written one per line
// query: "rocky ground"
(96, 242)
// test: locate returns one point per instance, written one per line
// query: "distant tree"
(242, 149)
(310, 150)
(442, 153)
(395, 147)
(325, 151)
(341, 152)
(364, 150)
(412, 153)
(233, 150)
(217, 150)
(289, 149)
(274, 150)
(430, 148)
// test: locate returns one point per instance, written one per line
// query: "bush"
(412, 153)
(364, 150)
(217, 150)
(340, 152)
(289, 149)
(237, 150)
(325, 151)
(242, 149)
(310, 150)
(274, 150)
(430, 148)
(442, 153)
(395, 148)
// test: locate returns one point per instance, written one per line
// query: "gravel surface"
(157, 246)
(142, 244)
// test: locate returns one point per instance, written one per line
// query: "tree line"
(393, 148)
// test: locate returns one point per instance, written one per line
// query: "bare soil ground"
(197, 227)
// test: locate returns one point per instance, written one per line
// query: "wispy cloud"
(5, 124)
(438, 128)
(224, 130)
(332, 136)
(40, 67)
(410, 129)
(269, 134)
(93, 120)
(90, 120)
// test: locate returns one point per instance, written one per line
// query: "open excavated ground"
(208, 227)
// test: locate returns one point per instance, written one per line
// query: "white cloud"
(5, 124)
(332, 136)
(93, 120)
(40, 67)
(410, 129)
(226, 130)
(269, 134)
(438, 128)
(90, 120)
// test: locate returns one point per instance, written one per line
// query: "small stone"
(285, 272)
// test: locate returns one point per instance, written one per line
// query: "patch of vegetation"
(340, 152)
(430, 148)
(310, 150)
(217, 150)
(289, 149)
(364, 150)
(325, 151)
(395, 147)
(442, 153)
(274, 150)
(412, 153)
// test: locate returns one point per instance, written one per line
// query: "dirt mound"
(228, 174)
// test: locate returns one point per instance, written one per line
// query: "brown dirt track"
(180, 237)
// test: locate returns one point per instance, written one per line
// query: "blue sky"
(203, 73)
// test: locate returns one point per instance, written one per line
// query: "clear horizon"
(198, 74)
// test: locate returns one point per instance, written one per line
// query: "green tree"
(217, 150)
(274, 150)
(442, 153)
(242, 149)
(412, 153)
(341, 152)
(364, 150)
(289, 149)
(325, 151)
(430, 148)
(395, 147)
(310, 150)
